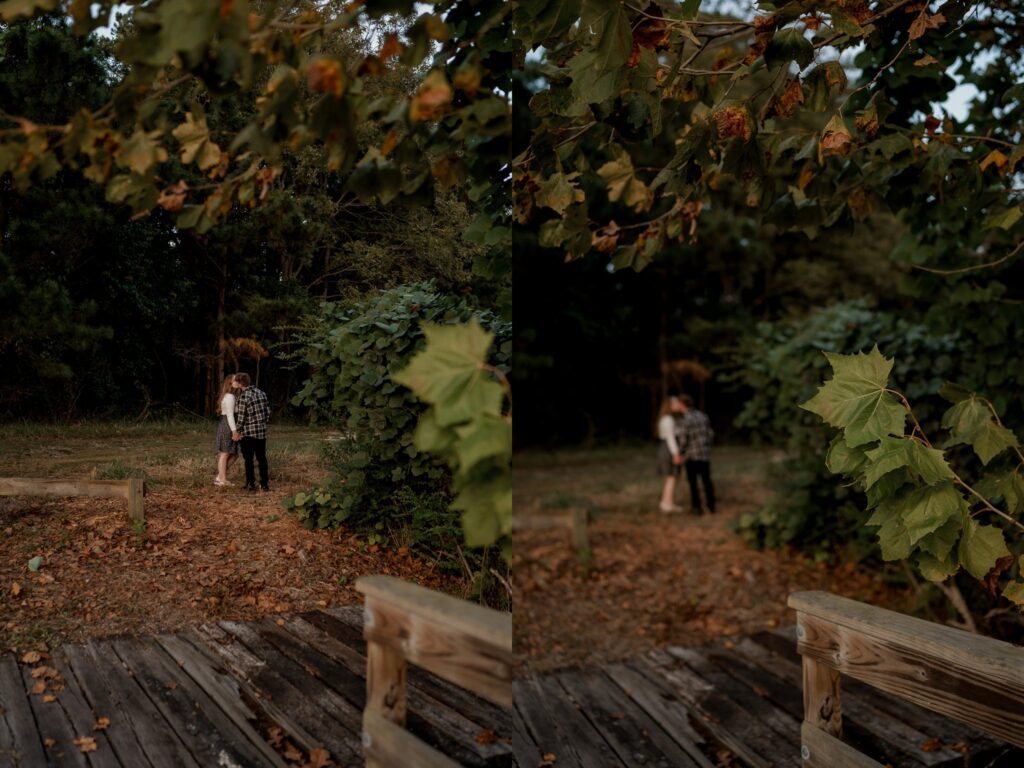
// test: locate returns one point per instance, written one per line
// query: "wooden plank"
(487, 627)
(823, 706)
(222, 689)
(298, 706)
(895, 720)
(726, 721)
(388, 745)
(636, 738)
(36, 486)
(525, 750)
(559, 728)
(664, 707)
(385, 683)
(262, 687)
(429, 718)
(340, 634)
(428, 640)
(111, 687)
(942, 679)
(764, 711)
(83, 718)
(25, 748)
(52, 725)
(819, 749)
(136, 489)
(205, 730)
(94, 690)
(865, 728)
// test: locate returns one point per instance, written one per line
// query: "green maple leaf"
(936, 569)
(486, 510)
(855, 398)
(970, 421)
(841, 459)
(1014, 592)
(940, 542)
(980, 547)
(431, 437)
(482, 438)
(928, 509)
(894, 452)
(449, 373)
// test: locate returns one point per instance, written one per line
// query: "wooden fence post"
(136, 489)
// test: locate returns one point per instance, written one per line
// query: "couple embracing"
(244, 413)
(686, 438)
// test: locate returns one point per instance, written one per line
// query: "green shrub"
(380, 483)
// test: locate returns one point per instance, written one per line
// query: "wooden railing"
(461, 642)
(973, 679)
(131, 489)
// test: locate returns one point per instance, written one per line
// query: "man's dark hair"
(687, 400)
(243, 379)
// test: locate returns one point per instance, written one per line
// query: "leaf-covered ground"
(206, 554)
(655, 579)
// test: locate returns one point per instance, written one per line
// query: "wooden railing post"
(136, 489)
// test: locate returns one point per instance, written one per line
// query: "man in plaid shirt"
(252, 412)
(695, 438)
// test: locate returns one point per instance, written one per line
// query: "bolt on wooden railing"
(461, 642)
(973, 679)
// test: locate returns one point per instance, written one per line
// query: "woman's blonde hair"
(226, 386)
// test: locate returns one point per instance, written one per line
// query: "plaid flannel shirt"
(252, 412)
(695, 435)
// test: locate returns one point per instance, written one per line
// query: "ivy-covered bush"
(780, 365)
(380, 483)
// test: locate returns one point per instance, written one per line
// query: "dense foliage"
(922, 505)
(383, 480)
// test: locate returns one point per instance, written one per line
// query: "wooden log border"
(466, 644)
(132, 489)
(972, 679)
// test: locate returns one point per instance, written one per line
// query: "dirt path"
(656, 579)
(206, 554)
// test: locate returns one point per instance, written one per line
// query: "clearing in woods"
(656, 579)
(206, 553)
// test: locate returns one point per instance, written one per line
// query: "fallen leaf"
(44, 672)
(319, 758)
(172, 686)
(486, 736)
(549, 758)
(101, 724)
(291, 753)
(15, 589)
(85, 744)
(49, 698)
(932, 745)
(48, 742)
(38, 688)
(32, 657)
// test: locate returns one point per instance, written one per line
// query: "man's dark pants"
(254, 447)
(701, 469)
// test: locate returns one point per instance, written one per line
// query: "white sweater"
(667, 432)
(227, 408)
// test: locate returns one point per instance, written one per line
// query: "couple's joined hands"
(236, 436)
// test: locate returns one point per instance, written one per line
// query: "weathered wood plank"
(286, 694)
(37, 486)
(763, 710)
(341, 634)
(136, 490)
(636, 739)
(458, 641)
(385, 683)
(83, 719)
(820, 749)
(664, 706)
(133, 717)
(891, 719)
(493, 628)
(937, 681)
(25, 748)
(389, 745)
(726, 721)
(525, 750)
(430, 718)
(869, 730)
(823, 704)
(222, 689)
(208, 732)
(53, 726)
(559, 728)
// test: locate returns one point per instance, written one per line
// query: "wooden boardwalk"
(682, 707)
(270, 693)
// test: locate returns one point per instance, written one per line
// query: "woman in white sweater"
(227, 449)
(670, 460)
